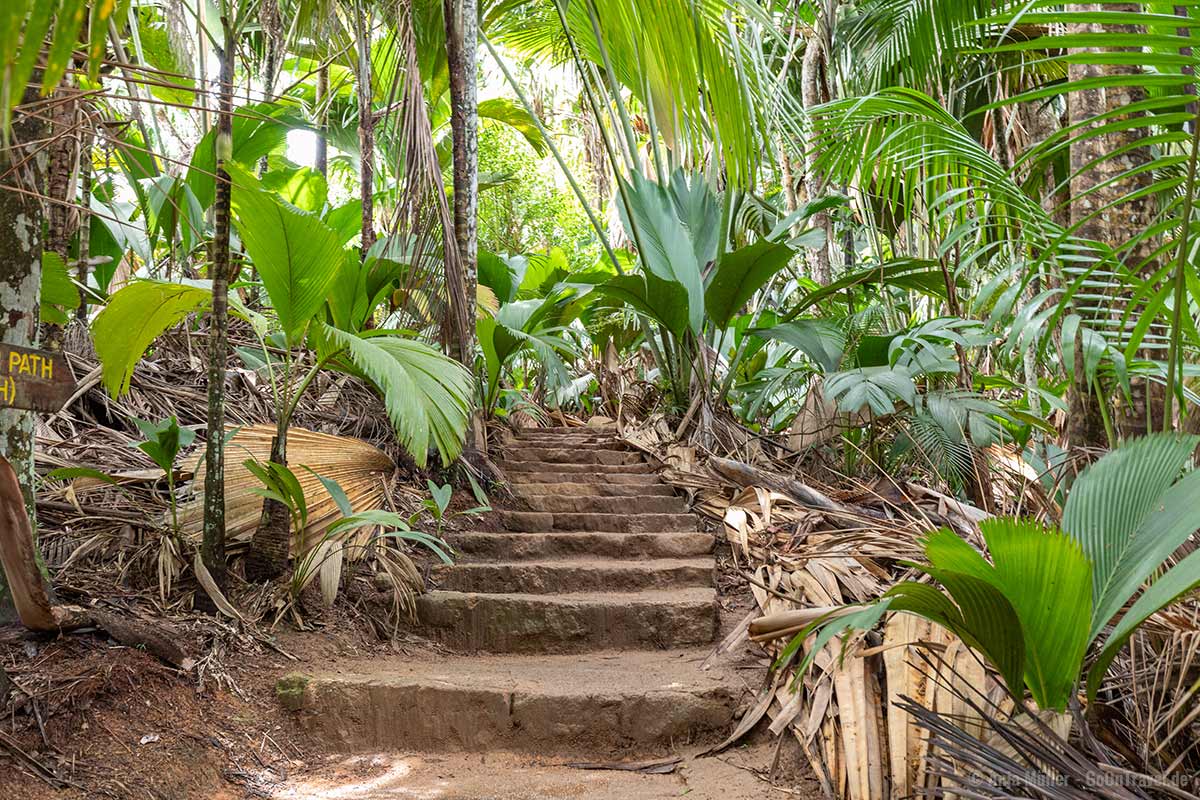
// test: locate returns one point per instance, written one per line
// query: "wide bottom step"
(559, 623)
(602, 705)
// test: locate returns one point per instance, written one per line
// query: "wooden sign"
(37, 380)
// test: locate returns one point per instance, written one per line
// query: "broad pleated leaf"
(662, 301)
(980, 615)
(739, 275)
(136, 316)
(426, 394)
(668, 248)
(1183, 578)
(297, 255)
(1127, 517)
(1048, 580)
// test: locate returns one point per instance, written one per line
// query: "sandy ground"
(740, 774)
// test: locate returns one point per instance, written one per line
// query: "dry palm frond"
(1002, 753)
(356, 466)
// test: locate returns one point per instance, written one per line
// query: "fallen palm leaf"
(357, 467)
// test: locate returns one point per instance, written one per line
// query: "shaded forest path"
(578, 626)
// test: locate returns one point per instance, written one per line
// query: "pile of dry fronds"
(103, 533)
(806, 549)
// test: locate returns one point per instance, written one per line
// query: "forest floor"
(102, 720)
(138, 729)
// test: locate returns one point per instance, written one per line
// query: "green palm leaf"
(1129, 514)
(297, 255)
(1182, 579)
(1048, 580)
(136, 316)
(426, 394)
(739, 275)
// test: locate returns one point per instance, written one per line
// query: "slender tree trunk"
(20, 286)
(212, 548)
(791, 201)
(322, 159)
(813, 94)
(366, 128)
(60, 187)
(462, 40)
(85, 222)
(462, 32)
(1096, 186)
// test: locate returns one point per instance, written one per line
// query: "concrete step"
(569, 489)
(636, 504)
(569, 430)
(520, 477)
(605, 443)
(571, 455)
(628, 704)
(606, 544)
(535, 521)
(639, 468)
(582, 575)
(533, 623)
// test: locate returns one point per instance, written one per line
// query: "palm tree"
(212, 549)
(462, 35)
(1099, 184)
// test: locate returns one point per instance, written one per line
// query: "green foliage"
(297, 256)
(59, 292)
(26, 24)
(673, 234)
(134, 317)
(164, 441)
(426, 394)
(280, 484)
(259, 129)
(1046, 596)
(536, 326)
(394, 527)
(521, 206)
(739, 275)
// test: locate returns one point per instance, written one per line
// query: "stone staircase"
(580, 622)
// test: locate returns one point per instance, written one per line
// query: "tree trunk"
(1095, 187)
(271, 544)
(85, 222)
(462, 39)
(212, 548)
(63, 152)
(366, 128)
(462, 32)
(322, 158)
(813, 94)
(20, 287)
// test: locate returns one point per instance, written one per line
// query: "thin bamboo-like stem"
(1174, 352)
(554, 151)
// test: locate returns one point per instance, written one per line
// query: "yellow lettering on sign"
(4, 391)
(14, 361)
(47, 368)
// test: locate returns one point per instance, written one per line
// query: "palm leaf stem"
(554, 151)
(1180, 277)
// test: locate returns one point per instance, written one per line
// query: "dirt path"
(579, 628)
